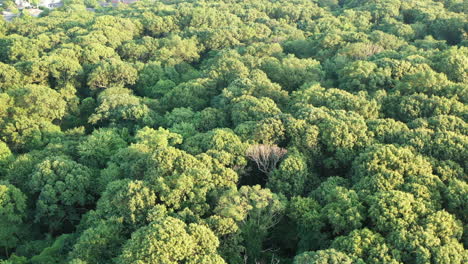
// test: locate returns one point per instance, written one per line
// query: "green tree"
(292, 176)
(366, 245)
(337, 99)
(269, 131)
(343, 210)
(112, 72)
(63, 65)
(194, 94)
(256, 210)
(387, 131)
(428, 82)
(174, 50)
(119, 107)
(159, 25)
(38, 101)
(96, 149)
(222, 144)
(420, 105)
(128, 200)
(257, 84)
(29, 117)
(99, 243)
(249, 108)
(95, 52)
(292, 72)
(12, 215)
(435, 239)
(328, 256)
(387, 167)
(184, 181)
(225, 67)
(453, 62)
(341, 136)
(115, 30)
(364, 76)
(15, 48)
(9, 77)
(456, 197)
(64, 190)
(169, 241)
(210, 118)
(54, 252)
(395, 210)
(6, 157)
(305, 213)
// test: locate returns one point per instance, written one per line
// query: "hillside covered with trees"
(235, 131)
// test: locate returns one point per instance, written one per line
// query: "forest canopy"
(235, 131)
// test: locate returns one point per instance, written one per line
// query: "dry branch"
(266, 156)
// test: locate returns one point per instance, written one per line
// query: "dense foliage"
(235, 131)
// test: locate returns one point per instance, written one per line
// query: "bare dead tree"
(266, 156)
